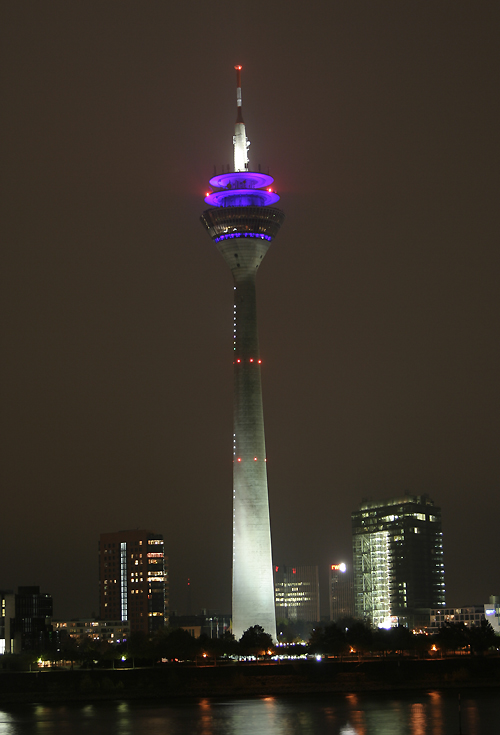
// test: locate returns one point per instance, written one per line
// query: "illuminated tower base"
(242, 225)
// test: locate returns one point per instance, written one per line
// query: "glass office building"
(398, 560)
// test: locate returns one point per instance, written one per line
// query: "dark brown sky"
(379, 300)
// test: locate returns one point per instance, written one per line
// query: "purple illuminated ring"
(241, 180)
(231, 235)
(242, 198)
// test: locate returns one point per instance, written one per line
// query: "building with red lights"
(296, 591)
(133, 579)
(341, 589)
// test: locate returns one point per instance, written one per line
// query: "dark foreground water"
(433, 713)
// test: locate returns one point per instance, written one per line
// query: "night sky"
(378, 301)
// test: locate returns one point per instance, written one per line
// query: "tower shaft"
(253, 588)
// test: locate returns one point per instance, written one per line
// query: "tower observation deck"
(242, 223)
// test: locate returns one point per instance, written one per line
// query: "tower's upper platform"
(242, 189)
(242, 199)
(251, 221)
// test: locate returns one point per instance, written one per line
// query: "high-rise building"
(296, 592)
(398, 559)
(242, 224)
(341, 588)
(133, 579)
(7, 618)
(25, 620)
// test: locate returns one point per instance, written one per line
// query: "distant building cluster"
(110, 631)
(396, 578)
(471, 617)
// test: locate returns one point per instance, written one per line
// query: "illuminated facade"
(398, 560)
(242, 224)
(111, 631)
(133, 579)
(341, 589)
(471, 617)
(296, 592)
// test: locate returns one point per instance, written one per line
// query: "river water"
(432, 713)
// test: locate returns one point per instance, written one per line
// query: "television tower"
(242, 224)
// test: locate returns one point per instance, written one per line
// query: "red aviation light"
(255, 459)
(239, 459)
(239, 67)
(238, 360)
(251, 359)
(259, 361)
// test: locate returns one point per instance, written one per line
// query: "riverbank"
(244, 679)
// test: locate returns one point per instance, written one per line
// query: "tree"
(359, 636)
(286, 631)
(178, 644)
(331, 639)
(482, 637)
(139, 646)
(225, 645)
(452, 636)
(255, 641)
(394, 639)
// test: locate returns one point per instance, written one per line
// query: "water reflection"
(418, 719)
(357, 716)
(389, 720)
(263, 716)
(471, 717)
(205, 717)
(124, 717)
(6, 721)
(436, 712)
(431, 713)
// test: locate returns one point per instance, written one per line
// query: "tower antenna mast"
(240, 141)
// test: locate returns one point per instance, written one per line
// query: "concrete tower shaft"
(242, 225)
(243, 255)
(253, 592)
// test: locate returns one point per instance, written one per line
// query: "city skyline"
(381, 334)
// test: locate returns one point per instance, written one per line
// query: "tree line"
(347, 637)
(351, 636)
